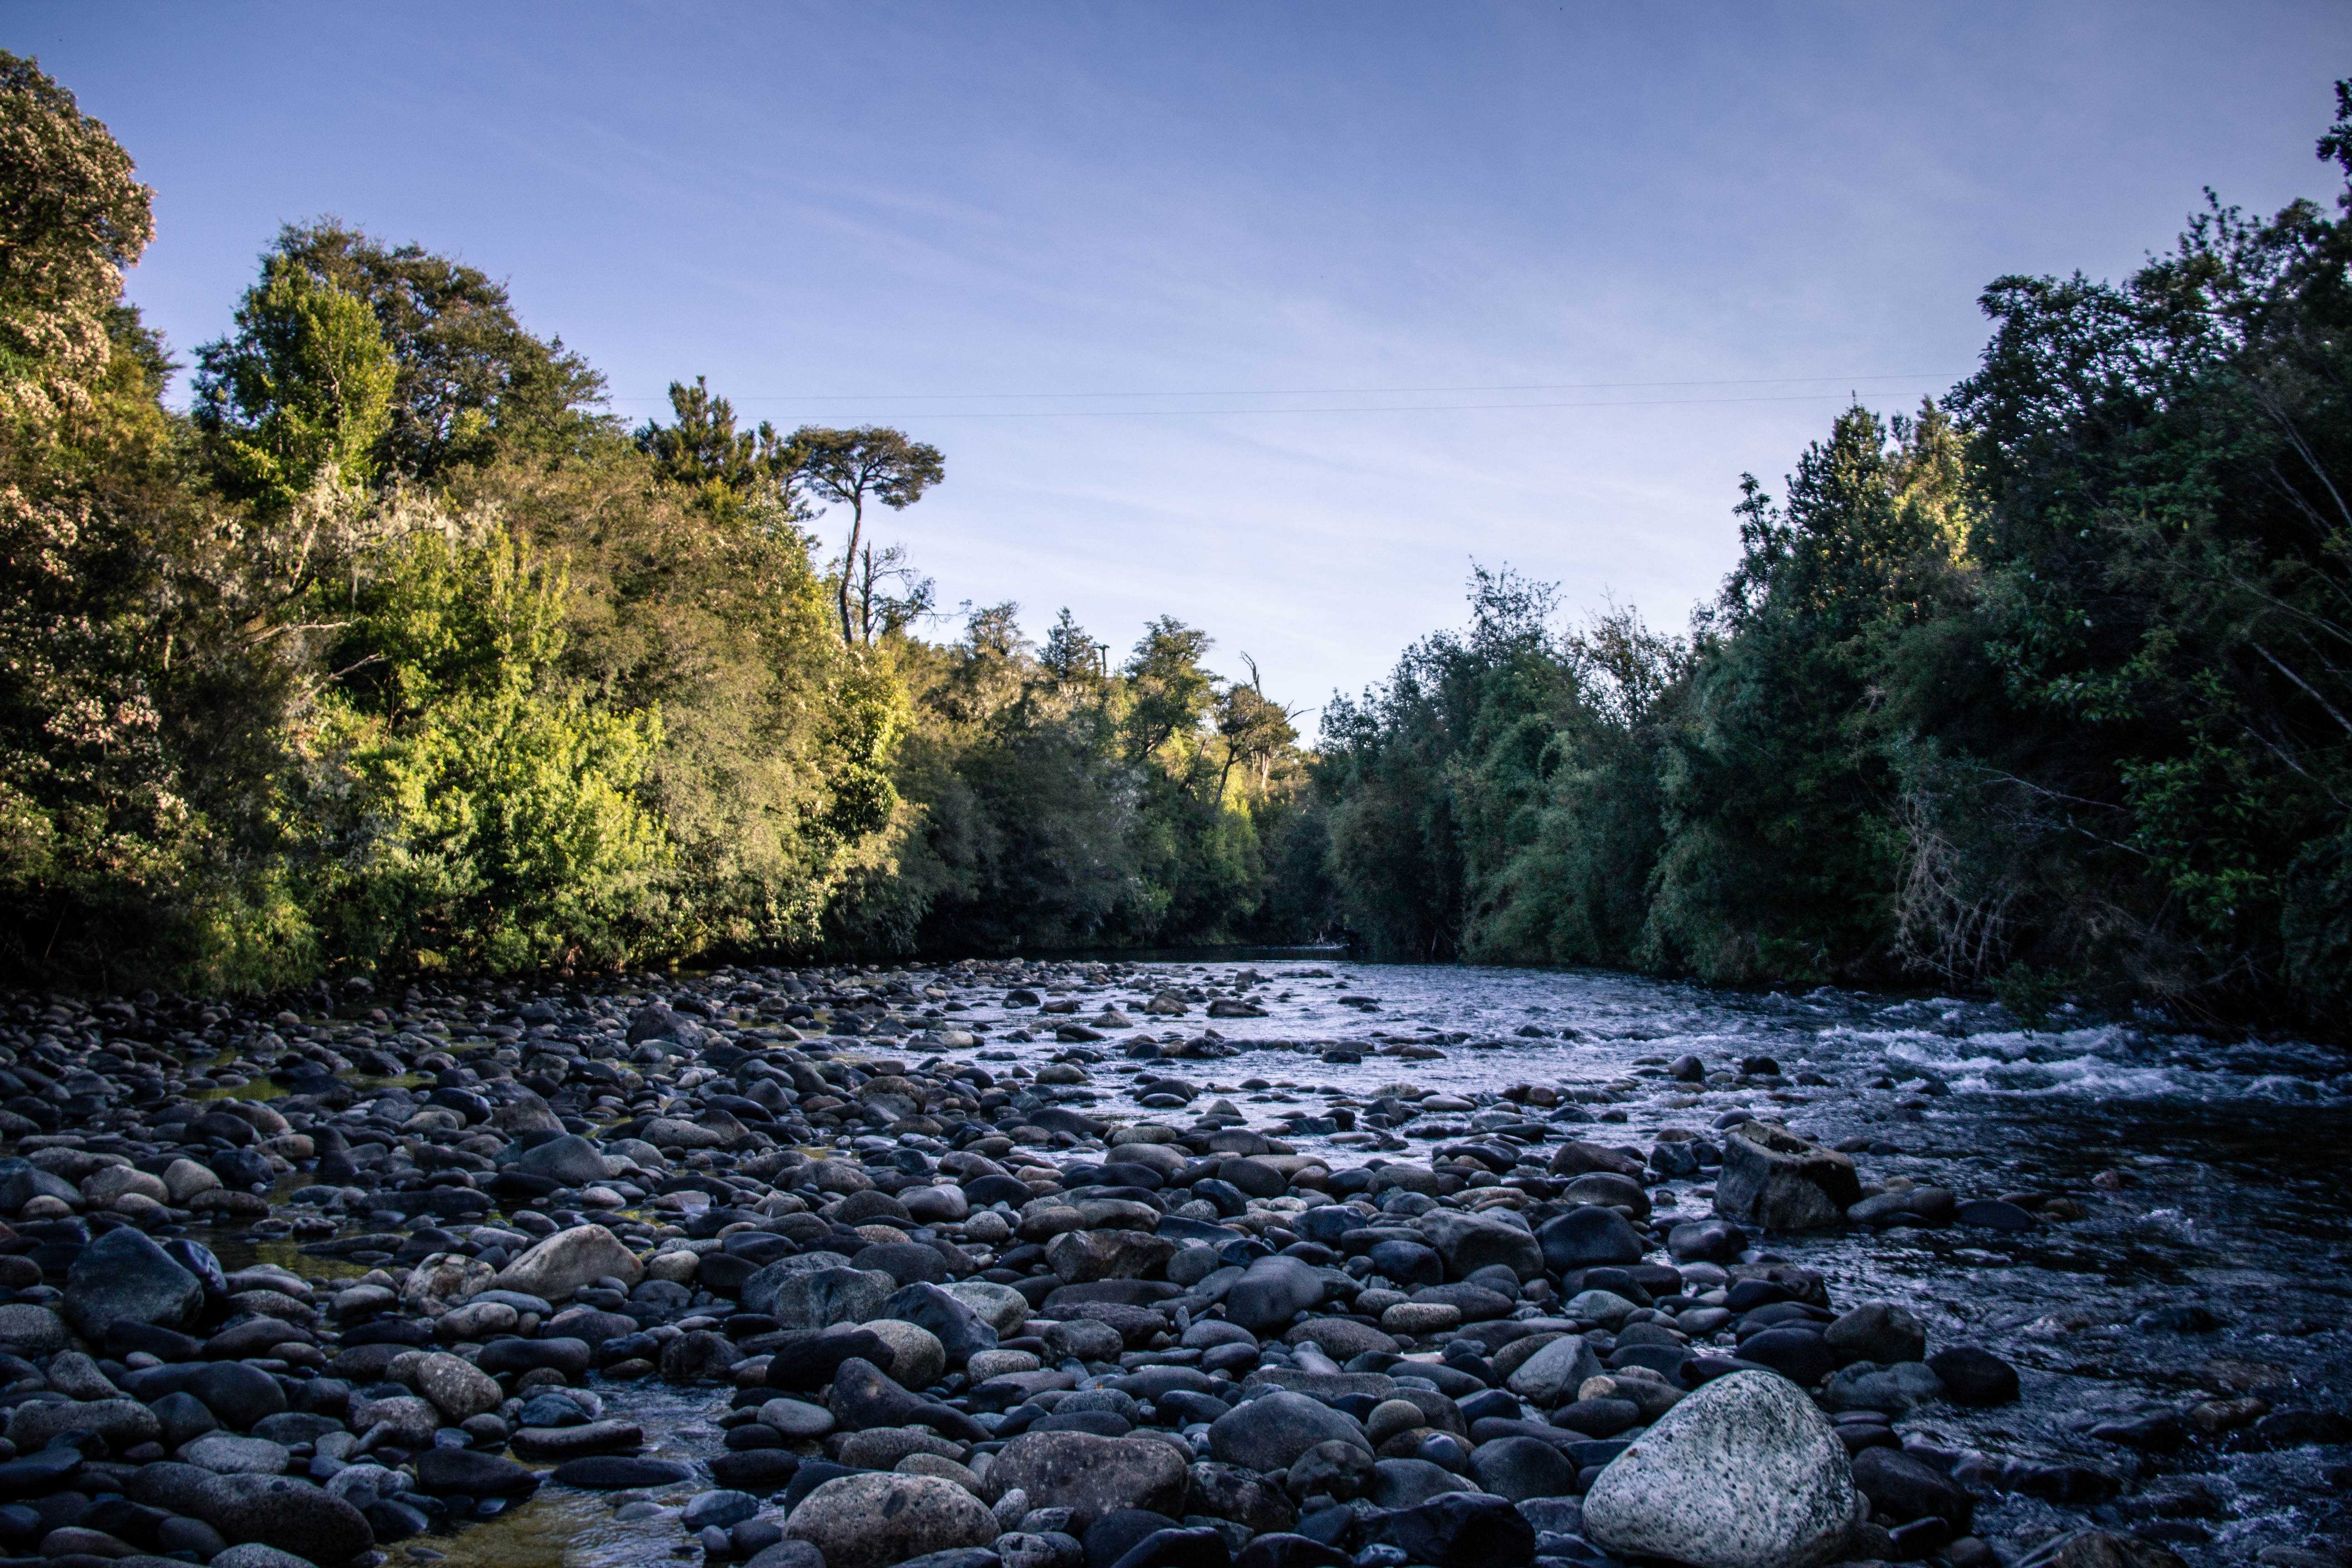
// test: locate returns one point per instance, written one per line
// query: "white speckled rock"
(1745, 1473)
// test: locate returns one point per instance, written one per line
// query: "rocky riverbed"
(1162, 1266)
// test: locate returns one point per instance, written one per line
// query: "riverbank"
(546, 1265)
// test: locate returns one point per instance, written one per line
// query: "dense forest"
(396, 651)
(2048, 688)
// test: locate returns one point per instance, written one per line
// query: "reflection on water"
(560, 1528)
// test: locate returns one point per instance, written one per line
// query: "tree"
(1168, 692)
(704, 450)
(1255, 730)
(301, 392)
(1071, 654)
(72, 216)
(470, 381)
(848, 467)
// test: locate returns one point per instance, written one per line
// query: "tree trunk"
(848, 565)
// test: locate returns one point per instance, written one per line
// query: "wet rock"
(1522, 1468)
(1555, 1371)
(1272, 1292)
(1774, 1179)
(1905, 1487)
(718, 1509)
(1459, 1530)
(1878, 1332)
(611, 1473)
(1608, 1189)
(1895, 1390)
(1706, 1241)
(1269, 1433)
(124, 1275)
(2099, 1549)
(1975, 1376)
(1588, 1236)
(876, 1520)
(701, 1355)
(560, 1444)
(1743, 1473)
(555, 1267)
(1467, 1243)
(864, 1396)
(1091, 1474)
(817, 1301)
(442, 1472)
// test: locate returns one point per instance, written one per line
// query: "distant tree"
(704, 448)
(1070, 653)
(1169, 690)
(1255, 729)
(849, 468)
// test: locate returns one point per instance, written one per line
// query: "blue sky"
(1220, 312)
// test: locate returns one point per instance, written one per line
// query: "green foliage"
(850, 467)
(300, 395)
(1049, 806)
(2056, 689)
(72, 216)
(469, 382)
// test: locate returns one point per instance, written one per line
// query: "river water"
(2224, 1192)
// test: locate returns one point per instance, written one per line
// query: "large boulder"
(1269, 1433)
(1469, 1242)
(1090, 1475)
(1743, 1473)
(124, 1276)
(874, 1520)
(1773, 1178)
(568, 1259)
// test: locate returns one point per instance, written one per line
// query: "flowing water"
(2224, 1192)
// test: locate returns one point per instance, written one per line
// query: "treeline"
(398, 651)
(2048, 688)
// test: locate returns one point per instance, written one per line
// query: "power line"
(1364, 408)
(1310, 390)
